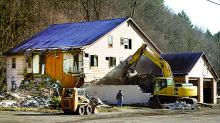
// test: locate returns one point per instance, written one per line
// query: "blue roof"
(180, 63)
(69, 35)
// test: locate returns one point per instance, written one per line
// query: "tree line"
(20, 19)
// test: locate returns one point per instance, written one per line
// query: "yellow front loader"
(73, 101)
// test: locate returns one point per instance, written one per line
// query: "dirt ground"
(125, 115)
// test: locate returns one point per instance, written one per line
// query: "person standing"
(119, 98)
(13, 84)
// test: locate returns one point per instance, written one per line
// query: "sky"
(202, 13)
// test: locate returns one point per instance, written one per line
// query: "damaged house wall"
(15, 68)
(61, 66)
(104, 44)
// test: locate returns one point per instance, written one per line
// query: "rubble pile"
(34, 94)
(180, 105)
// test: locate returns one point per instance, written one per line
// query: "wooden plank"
(54, 68)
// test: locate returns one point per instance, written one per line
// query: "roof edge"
(89, 45)
(142, 32)
(8, 52)
(210, 67)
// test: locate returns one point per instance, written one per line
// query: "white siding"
(200, 69)
(107, 93)
(29, 70)
(100, 48)
(16, 72)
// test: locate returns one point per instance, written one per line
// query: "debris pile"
(180, 105)
(114, 76)
(97, 101)
(34, 94)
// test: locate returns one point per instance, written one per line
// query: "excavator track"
(157, 102)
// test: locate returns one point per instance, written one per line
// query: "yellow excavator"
(165, 90)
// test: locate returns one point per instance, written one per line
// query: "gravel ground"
(125, 115)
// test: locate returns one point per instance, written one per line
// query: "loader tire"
(80, 110)
(88, 109)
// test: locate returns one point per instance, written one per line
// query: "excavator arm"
(153, 56)
(165, 89)
(159, 61)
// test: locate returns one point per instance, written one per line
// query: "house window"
(13, 65)
(86, 55)
(110, 41)
(93, 60)
(122, 42)
(126, 42)
(75, 63)
(112, 61)
(72, 63)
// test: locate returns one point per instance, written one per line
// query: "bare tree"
(133, 7)
(86, 7)
(97, 8)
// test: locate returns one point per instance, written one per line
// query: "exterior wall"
(55, 69)
(201, 71)
(200, 90)
(29, 69)
(107, 93)
(214, 91)
(101, 49)
(17, 72)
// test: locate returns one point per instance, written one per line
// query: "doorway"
(207, 91)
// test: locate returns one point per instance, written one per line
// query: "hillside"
(20, 19)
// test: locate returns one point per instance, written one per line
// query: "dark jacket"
(119, 96)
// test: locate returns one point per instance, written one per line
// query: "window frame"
(111, 62)
(126, 42)
(73, 63)
(110, 41)
(92, 61)
(13, 63)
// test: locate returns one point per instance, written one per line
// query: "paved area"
(124, 116)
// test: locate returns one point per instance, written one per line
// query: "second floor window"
(110, 41)
(126, 42)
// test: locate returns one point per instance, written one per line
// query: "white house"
(74, 53)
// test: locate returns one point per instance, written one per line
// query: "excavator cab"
(162, 84)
